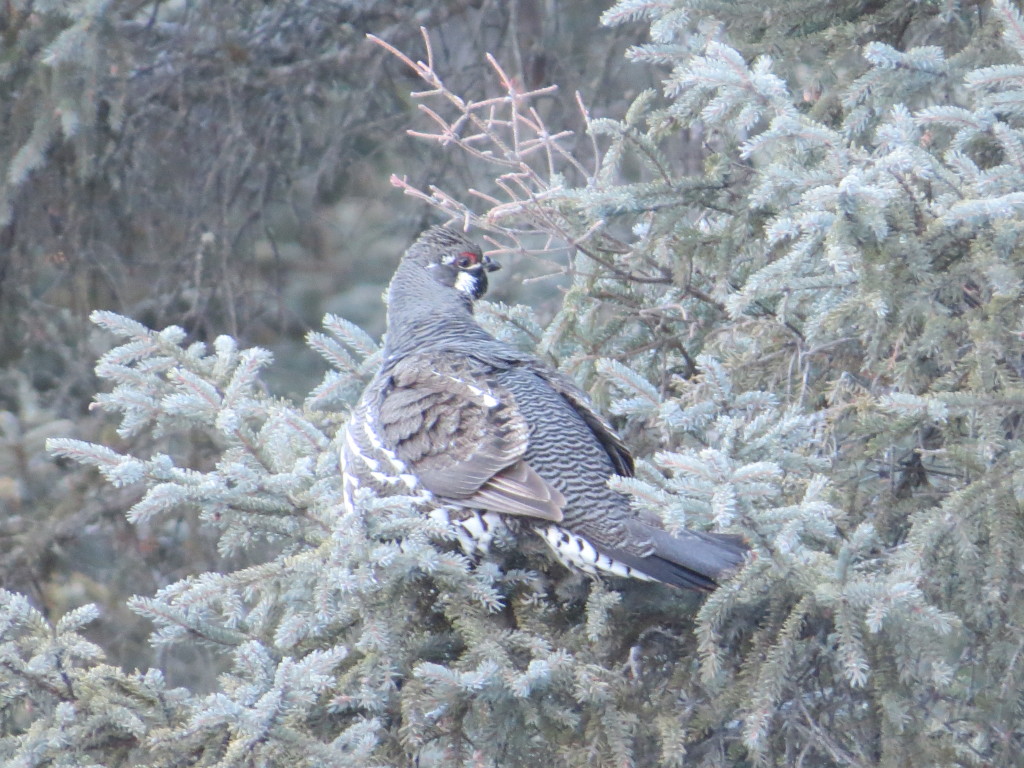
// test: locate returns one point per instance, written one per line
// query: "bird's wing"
(603, 431)
(462, 435)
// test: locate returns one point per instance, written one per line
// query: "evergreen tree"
(798, 290)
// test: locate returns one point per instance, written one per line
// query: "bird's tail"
(692, 559)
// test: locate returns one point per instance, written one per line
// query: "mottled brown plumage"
(462, 436)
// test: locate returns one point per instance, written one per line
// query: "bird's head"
(452, 260)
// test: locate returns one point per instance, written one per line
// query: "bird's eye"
(466, 259)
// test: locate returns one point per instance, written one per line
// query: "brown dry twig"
(508, 133)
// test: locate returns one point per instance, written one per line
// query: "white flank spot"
(396, 463)
(350, 442)
(409, 480)
(475, 526)
(372, 437)
(479, 532)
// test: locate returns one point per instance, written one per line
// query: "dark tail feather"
(693, 559)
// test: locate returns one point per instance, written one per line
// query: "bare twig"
(506, 132)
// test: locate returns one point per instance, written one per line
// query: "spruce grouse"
(492, 439)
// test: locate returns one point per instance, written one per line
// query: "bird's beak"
(490, 264)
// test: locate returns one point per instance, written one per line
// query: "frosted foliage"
(797, 292)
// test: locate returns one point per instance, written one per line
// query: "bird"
(493, 441)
